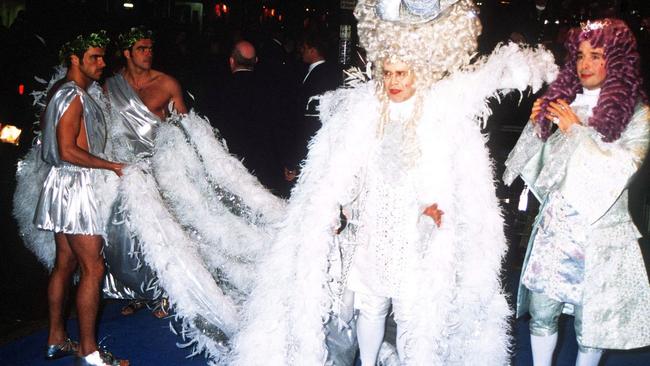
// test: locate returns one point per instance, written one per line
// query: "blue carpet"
(141, 338)
(565, 354)
(145, 341)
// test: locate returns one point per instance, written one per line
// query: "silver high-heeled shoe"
(100, 358)
(56, 351)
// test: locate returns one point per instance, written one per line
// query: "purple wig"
(622, 87)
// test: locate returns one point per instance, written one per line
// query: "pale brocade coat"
(593, 179)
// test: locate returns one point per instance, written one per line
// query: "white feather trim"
(459, 296)
(30, 175)
(175, 258)
(190, 238)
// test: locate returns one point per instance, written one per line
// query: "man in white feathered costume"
(406, 162)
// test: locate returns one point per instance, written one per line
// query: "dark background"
(192, 43)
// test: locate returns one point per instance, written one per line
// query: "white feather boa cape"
(203, 222)
(460, 311)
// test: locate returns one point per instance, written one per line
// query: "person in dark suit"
(321, 76)
(241, 109)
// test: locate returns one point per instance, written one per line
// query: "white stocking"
(370, 334)
(403, 317)
(370, 326)
(543, 348)
(589, 358)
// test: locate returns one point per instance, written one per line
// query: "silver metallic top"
(138, 123)
(93, 120)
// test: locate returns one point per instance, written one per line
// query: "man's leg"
(589, 357)
(403, 314)
(544, 314)
(87, 249)
(586, 356)
(57, 290)
(371, 325)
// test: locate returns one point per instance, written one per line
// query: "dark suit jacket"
(536, 26)
(242, 110)
(323, 78)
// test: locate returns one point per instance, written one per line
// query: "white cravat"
(401, 111)
(584, 103)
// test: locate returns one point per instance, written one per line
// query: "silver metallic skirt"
(68, 203)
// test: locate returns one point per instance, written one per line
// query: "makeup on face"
(398, 80)
(591, 66)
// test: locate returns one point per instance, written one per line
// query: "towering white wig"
(434, 45)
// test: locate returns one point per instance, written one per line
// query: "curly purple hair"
(622, 87)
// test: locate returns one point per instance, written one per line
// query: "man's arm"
(67, 134)
(176, 95)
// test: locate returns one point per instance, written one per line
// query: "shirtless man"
(140, 99)
(140, 96)
(156, 89)
(73, 141)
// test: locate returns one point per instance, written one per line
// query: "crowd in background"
(199, 57)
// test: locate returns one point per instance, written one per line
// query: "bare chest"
(155, 98)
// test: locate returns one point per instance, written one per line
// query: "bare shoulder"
(165, 80)
(170, 86)
(73, 113)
